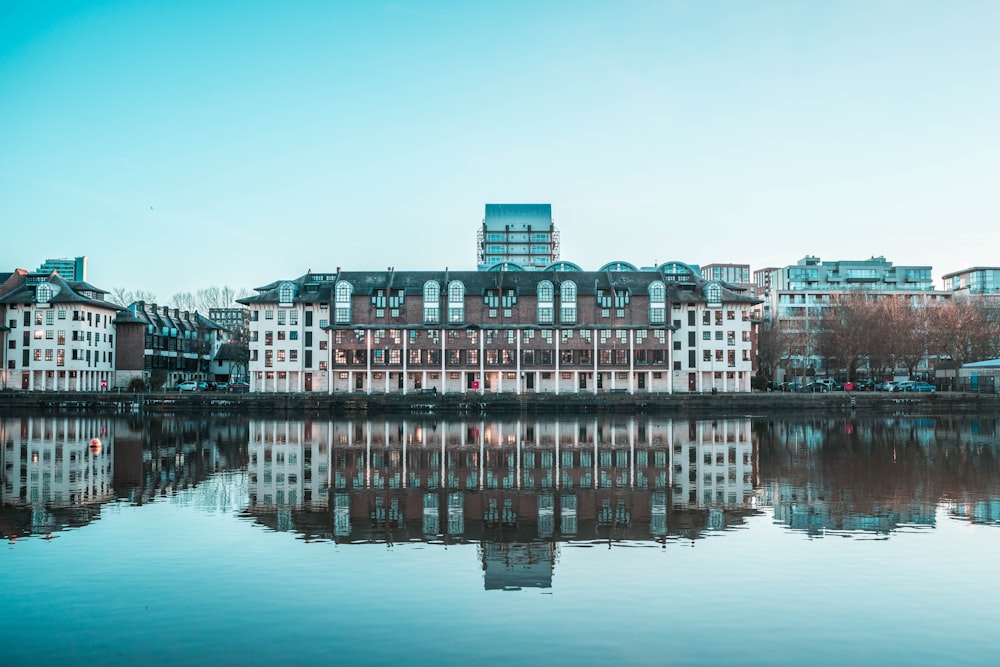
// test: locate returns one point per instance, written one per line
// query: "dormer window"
(657, 303)
(567, 302)
(432, 302)
(342, 303)
(546, 302)
(456, 302)
(286, 294)
(713, 294)
(43, 293)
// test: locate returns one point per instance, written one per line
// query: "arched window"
(342, 303)
(546, 302)
(286, 293)
(713, 294)
(657, 302)
(432, 302)
(456, 302)
(43, 292)
(567, 302)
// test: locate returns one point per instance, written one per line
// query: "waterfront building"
(797, 296)
(975, 280)
(523, 234)
(560, 330)
(59, 334)
(164, 346)
(73, 270)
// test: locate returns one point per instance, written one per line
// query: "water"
(500, 542)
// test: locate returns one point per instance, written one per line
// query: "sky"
(187, 144)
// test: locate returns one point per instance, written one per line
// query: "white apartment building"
(58, 335)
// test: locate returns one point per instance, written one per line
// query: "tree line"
(868, 334)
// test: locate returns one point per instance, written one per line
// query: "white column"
(482, 361)
(406, 377)
(631, 361)
(368, 362)
(517, 373)
(444, 374)
(558, 334)
(595, 335)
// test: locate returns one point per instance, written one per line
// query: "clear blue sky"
(187, 144)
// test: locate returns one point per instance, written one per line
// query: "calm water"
(746, 541)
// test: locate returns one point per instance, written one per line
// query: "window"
(432, 302)
(342, 303)
(657, 303)
(286, 292)
(456, 302)
(713, 294)
(546, 297)
(567, 302)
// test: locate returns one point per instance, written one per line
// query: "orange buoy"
(95, 446)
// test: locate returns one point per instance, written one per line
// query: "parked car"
(238, 387)
(189, 385)
(924, 387)
(795, 386)
(817, 387)
(906, 385)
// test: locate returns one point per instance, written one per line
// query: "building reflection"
(878, 475)
(57, 472)
(517, 488)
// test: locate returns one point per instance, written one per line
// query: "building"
(71, 269)
(558, 330)
(975, 280)
(797, 296)
(235, 322)
(737, 275)
(164, 346)
(59, 334)
(523, 234)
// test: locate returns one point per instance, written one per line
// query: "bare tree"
(124, 296)
(183, 301)
(207, 298)
(845, 331)
(962, 330)
(773, 346)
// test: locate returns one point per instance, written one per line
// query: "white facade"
(57, 343)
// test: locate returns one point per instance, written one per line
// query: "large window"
(713, 293)
(456, 302)
(546, 302)
(432, 302)
(342, 303)
(657, 303)
(286, 292)
(567, 302)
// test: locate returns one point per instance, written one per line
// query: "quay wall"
(459, 404)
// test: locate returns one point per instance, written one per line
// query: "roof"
(164, 316)
(988, 363)
(64, 292)
(319, 288)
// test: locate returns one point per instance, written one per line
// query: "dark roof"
(319, 288)
(164, 316)
(66, 292)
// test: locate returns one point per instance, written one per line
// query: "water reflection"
(877, 475)
(518, 488)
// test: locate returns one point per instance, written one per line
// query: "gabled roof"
(64, 292)
(319, 288)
